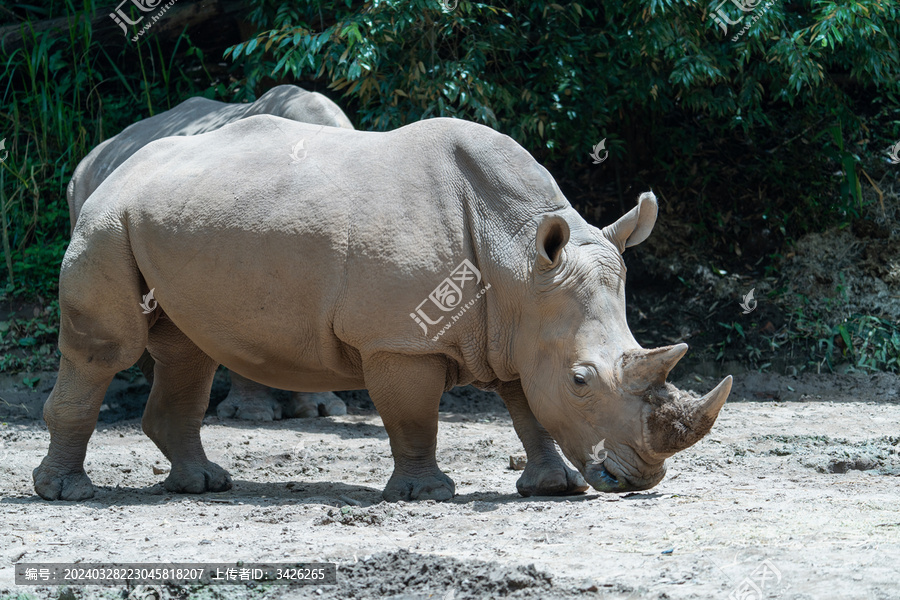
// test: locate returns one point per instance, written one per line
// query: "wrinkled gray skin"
(246, 399)
(302, 275)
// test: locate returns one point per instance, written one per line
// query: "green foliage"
(683, 106)
(864, 342)
(29, 344)
(62, 94)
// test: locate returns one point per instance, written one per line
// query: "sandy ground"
(794, 494)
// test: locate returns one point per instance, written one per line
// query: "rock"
(517, 462)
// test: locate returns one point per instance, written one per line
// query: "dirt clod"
(517, 462)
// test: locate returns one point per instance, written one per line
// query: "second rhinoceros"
(246, 399)
(406, 262)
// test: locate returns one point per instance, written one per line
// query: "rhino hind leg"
(545, 474)
(406, 391)
(71, 414)
(102, 331)
(182, 379)
(249, 401)
(305, 405)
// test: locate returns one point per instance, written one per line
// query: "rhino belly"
(261, 302)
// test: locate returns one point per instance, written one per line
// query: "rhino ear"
(552, 236)
(635, 226)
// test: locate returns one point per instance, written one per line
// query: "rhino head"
(585, 377)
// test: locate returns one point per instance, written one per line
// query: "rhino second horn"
(680, 423)
(652, 366)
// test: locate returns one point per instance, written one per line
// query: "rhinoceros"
(246, 399)
(405, 262)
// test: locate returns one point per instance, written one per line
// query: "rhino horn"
(644, 367)
(681, 422)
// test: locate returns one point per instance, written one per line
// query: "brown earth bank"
(795, 491)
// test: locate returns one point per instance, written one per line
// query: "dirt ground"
(795, 492)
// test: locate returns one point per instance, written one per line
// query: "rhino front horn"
(682, 421)
(708, 407)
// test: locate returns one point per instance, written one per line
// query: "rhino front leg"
(406, 391)
(545, 472)
(182, 379)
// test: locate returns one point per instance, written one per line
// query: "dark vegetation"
(749, 144)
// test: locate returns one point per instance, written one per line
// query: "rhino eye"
(579, 379)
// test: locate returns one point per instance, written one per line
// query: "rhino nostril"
(608, 477)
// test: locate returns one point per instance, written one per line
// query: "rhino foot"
(52, 485)
(196, 478)
(305, 405)
(255, 407)
(553, 479)
(435, 486)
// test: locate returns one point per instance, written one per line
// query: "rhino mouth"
(599, 477)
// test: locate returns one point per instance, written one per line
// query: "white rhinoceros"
(246, 399)
(406, 262)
